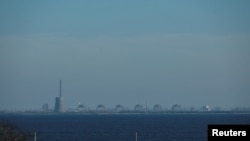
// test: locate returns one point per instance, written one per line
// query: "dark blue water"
(150, 127)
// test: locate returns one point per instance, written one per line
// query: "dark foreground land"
(9, 132)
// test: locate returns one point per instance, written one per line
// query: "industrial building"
(176, 107)
(139, 108)
(100, 108)
(81, 108)
(59, 103)
(119, 108)
(45, 107)
(157, 108)
(205, 108)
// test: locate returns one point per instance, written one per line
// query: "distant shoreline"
(125, 113)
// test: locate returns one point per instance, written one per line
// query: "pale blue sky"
(129, 52)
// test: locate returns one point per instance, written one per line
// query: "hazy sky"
(125, 52)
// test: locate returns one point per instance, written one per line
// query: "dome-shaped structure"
(205, 108)
(157, 108)
(119, 108)
(100, 108)
(176, 107)
(81, 108)
(139, 108)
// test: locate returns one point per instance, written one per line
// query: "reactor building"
(59, 103)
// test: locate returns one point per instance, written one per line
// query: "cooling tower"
(59, 104)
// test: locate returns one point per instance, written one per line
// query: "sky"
(166, 52)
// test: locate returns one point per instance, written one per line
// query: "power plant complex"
(59, 107)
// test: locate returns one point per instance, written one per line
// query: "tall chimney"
(60, 87)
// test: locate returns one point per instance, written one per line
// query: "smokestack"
(59, 104)
(60, 87)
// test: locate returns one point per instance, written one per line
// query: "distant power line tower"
(59, 104)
